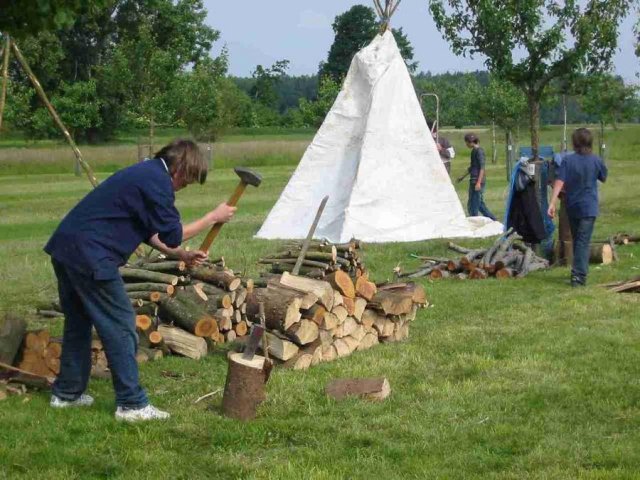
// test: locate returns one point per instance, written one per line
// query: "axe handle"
(232, 202)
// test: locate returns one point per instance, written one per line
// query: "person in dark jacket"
(578, 174)
(97, 237)
(478, 179)
(445, 150)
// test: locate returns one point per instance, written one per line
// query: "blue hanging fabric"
(549, 226)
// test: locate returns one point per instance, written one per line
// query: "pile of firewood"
(626, 286)
(506, 258)
(322, 259)
(179, 310)
(310, 321)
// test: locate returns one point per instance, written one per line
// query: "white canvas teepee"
(376, 159)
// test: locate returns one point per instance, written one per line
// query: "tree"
(498, 103)
(20, 19)
(532, 42)
(314, 112)
(266, 79)
(450, 87)
(355, 29)
(608, 98)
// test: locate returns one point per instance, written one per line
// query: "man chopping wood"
(96, 237)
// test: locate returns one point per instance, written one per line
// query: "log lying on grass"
(600, 253)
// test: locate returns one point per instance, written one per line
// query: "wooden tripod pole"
(5, 76)
(43, 96)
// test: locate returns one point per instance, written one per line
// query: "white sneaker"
(82, 401)
(140, 414)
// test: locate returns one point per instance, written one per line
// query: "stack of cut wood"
(322, 259)
(181, 310)
(626, 286)
(310, 320)
(40, 353)
(506, 258)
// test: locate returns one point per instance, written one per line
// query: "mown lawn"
(518, 379)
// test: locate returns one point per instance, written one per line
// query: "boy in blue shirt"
(98, 236)
(578, 175)
(477, 178)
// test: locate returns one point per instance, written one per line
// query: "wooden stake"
(43, 96)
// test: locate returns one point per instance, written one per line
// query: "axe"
(247, 177)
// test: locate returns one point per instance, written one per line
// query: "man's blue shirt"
(580, 174)
(100, 233)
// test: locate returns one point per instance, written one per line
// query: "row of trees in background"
(122, 64)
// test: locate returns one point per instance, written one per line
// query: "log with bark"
(245, 385)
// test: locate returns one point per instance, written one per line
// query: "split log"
(393, 302)
(322, 289)
(359, 305)
(329, 321)
(365, 288)
(150, 287)
(12, 332)
(600, 253)
(230, 336)
(337, 298)
(316, 273)
(303, 332)
(349, 304)
(368, 388)
(342, 349)
(183, 343)
(241, 328)
(315, 313)
(280, 348)
(222, 279)
(244, 388)
(329, 353)
(341, 312)
(147, 276)
(281, 305)
(187, 315)
(342, 282)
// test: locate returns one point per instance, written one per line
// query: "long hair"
(582, 140)
(184, 156)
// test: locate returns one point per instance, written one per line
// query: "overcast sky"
(261, 32)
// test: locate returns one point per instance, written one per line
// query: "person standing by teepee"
(445, 150)
(478, 178)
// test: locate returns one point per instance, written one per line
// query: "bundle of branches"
(506, 258)
(625, 286)
(310, 320)
(322, 259)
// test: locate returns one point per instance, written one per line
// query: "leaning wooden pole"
(5, 76)
(43, 96)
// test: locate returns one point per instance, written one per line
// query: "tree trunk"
(12, 330)
(534, 121)
(494, 151)
(244, 389)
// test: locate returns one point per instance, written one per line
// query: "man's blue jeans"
(102, 304)
(581, 231)
(476, 204)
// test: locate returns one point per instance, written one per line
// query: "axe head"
(248, 176)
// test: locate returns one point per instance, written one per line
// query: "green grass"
(517, 379)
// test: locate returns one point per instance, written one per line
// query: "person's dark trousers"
(581, 231)
(447, 165)
(104, 304)
(476, 204)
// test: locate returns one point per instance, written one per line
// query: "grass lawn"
(515, 379)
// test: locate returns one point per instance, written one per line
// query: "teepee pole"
(43, 96)
(5, 76)
(378, 6)
(395, 7)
